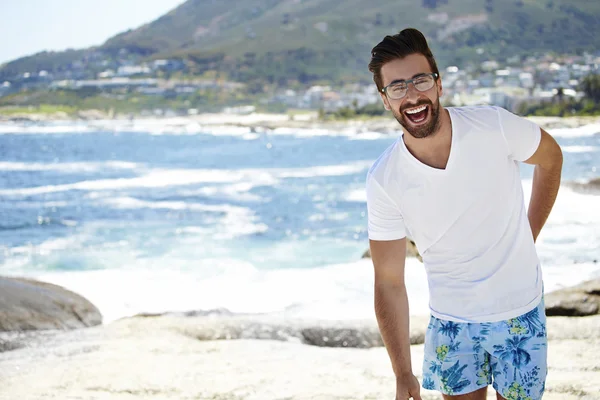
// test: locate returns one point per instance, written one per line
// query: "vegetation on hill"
(562, 106)
(71, 101)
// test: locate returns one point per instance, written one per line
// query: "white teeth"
(416, 110)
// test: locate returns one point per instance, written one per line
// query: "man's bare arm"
(546, 181)
(391, 309)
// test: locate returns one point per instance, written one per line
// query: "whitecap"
(244, 179)
(235, 221)
(580, 149)
(36, 129)
(357, 195)
(369, 135)
(133, 203)
(68, 167)
(324, 170)
(155, 178)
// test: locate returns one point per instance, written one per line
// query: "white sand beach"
(161, 358)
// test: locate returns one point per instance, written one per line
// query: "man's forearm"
(391, 309)
(546, 182)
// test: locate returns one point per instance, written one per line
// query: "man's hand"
(408, 387)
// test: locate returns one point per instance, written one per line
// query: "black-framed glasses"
(397, 90)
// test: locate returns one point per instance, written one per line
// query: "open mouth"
(418, 114)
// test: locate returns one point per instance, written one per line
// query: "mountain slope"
(308, 40)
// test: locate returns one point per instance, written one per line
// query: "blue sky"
(30, 26)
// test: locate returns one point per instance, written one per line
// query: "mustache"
(421, 103)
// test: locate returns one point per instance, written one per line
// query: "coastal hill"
(310, 40)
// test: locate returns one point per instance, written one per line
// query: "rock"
(340, 337)
(590, 187)
(31, 305)
(576, 301)
(351, 334)
(411, 251)
(362, 338)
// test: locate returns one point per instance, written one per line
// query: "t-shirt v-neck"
(451, 156)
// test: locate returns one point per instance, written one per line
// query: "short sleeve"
(384, 219)
(522, 136)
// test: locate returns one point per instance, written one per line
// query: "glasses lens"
(396, 91)
(424, 83)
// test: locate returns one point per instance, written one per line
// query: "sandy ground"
(161, 358)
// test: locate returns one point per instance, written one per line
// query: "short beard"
(423, 131)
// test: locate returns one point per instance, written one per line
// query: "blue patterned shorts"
(463, 357)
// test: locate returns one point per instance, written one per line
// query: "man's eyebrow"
(404, 80)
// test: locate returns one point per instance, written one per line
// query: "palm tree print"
(435, 367)
(431, 324)
(449, 329)
(428, 383)
(484, 328)
(454, 347)
(532, 322)
(513, 352)
(477, 343)
(532, 377)
(452, 381)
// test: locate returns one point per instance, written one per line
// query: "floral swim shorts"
(463, 357)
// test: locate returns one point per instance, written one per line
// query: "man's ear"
(440, 88)
(386, 103)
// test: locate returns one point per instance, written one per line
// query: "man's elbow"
(390, 283)
(554, 160)
(550, 156)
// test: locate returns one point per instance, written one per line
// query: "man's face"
(408, 110)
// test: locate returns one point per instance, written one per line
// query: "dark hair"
(406, 42)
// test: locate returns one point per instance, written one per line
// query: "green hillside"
(278, 41)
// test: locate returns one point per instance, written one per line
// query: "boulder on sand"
(576, 301)
(590, 187)
(27, 305)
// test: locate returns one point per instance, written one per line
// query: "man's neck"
(434, 149)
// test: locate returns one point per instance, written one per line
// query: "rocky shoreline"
(218, 355)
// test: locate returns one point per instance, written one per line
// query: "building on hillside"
(109, 73)
(170, 65)
(130, 70)
(113, 83)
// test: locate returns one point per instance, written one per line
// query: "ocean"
(169, 215)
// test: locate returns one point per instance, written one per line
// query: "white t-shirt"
(468, 220)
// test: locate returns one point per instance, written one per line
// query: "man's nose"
(411, 92)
